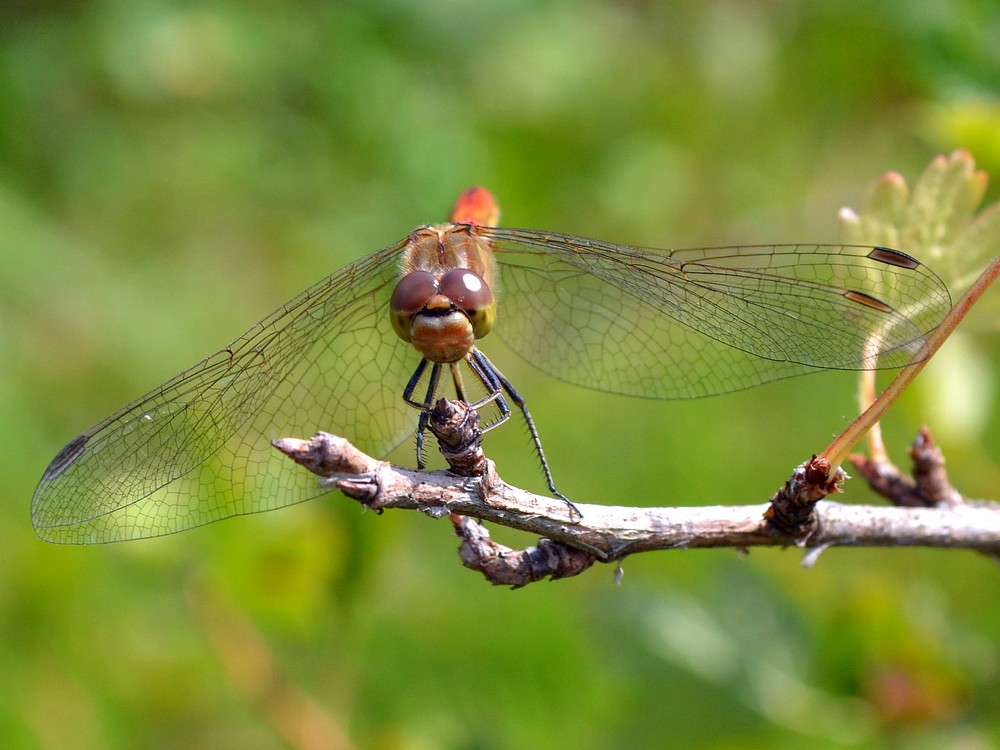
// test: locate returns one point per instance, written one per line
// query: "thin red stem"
(837, 451)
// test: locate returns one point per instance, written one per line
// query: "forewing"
(692, 323)
(197, 449)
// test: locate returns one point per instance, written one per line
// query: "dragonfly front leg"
(425, 405)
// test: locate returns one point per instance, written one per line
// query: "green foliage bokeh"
(172, 171)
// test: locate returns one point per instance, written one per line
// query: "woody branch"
(609, 533)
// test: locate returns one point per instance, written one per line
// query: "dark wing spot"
(66, 457)
(893, 257)
(868, 301)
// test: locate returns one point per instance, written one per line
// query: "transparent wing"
(630, 320)
(197, 449)
(691, 323)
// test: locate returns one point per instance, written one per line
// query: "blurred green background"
(172, 171)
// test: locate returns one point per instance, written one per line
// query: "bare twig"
(616, 531)
(504, 566)
(930, 486)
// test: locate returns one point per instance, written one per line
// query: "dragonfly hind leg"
(495, 383)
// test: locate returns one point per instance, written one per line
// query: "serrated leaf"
(882, 215)
(936, 222)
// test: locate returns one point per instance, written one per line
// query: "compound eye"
(467, 290)
(409, 298)
(412, 292)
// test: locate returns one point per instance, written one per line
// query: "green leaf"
(937, 222)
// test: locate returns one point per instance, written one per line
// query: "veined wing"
(690, 323)
(197, 448)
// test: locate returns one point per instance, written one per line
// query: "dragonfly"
(367, 350)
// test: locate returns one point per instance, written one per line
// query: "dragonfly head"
(442, 316)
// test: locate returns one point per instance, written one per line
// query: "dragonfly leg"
(456, 377)
(423, 406)
(494, 390)
(411, 386)
(493, 377)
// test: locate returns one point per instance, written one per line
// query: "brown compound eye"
(468, 291)
(409, 298)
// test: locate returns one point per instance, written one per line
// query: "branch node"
(456, 426)
(792, 509)
(930, 486)
(929, 472)
(363, 488)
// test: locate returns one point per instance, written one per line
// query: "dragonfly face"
(443, 303)
(629, 320)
